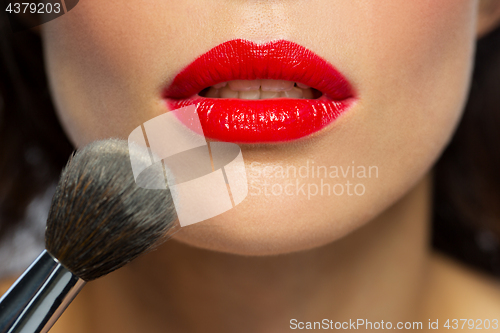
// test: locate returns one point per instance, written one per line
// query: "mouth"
(260, 93)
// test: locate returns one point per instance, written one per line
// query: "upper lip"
(276, 60)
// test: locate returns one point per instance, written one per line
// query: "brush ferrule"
(38, 297)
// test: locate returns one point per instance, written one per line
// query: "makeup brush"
(99, 220)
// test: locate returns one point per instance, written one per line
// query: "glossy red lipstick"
(266, 120)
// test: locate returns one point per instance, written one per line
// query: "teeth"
(253, 94)
(301, 85)
(226, 92)
(276, 85)
(269, 94)
(308, 93)
(293, 93)
(213, 93)
(260, 89)
(220, 85)
(244, 85)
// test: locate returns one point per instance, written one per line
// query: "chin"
(262, 226)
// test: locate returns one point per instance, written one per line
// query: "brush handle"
(37, 299)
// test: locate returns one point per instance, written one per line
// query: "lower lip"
(262, 121)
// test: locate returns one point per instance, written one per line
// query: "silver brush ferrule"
(38, 297)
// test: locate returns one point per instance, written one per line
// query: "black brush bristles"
(100, 219)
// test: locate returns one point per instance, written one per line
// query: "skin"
(105, 85)
(282, 257)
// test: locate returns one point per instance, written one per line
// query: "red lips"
(269, 120)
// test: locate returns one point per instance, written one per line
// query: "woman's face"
(408, 64)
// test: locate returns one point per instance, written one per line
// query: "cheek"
(420, 53)
(417, 62)
(107, 62)
(410, 62)
(82, 62)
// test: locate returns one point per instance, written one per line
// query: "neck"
(374, 273)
